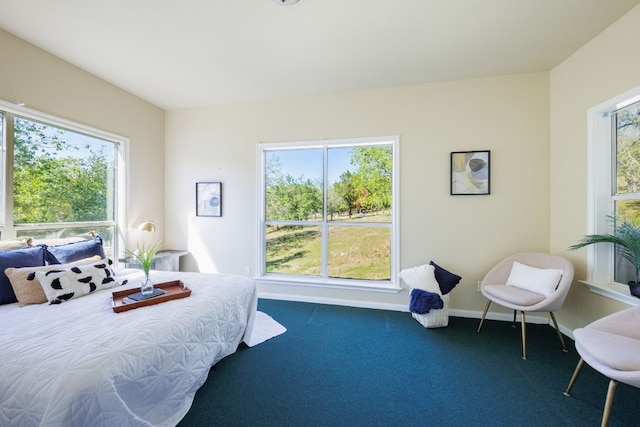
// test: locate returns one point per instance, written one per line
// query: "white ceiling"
(191, 53)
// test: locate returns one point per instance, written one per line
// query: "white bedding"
(81, 364)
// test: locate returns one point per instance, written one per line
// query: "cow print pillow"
(63, 285)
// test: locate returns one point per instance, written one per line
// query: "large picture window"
(61, 179)
(329, 212)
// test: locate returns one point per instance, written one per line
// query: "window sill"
(335, 284)
(614, 291)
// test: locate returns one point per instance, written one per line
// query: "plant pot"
(634, 288)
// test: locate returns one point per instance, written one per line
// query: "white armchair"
(538, 297)
(611, 346)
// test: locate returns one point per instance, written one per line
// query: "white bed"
(81, 364)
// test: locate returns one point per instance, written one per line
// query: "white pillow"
(543, 281)
(62, 285)
(27, 289)
(421, 277)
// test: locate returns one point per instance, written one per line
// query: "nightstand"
(166, 260)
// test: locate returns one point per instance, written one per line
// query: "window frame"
(262, 276)
(601, 155)
(9, 230)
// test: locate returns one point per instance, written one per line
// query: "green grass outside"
(354, 252)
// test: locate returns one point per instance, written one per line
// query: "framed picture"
(470, 172)
(208, 199)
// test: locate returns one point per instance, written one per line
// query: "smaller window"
(626, 177)
(614, 180)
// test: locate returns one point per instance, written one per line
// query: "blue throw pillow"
(28, 257)
(445, 279)
(70, 252)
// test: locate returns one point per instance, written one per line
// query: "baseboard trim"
(538, 318)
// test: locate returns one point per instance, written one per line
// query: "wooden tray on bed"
(175, 289)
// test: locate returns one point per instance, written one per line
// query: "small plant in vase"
(145, 255)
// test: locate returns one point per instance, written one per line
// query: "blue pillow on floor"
(28, 257)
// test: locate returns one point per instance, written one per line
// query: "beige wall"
(604, 68)
(50, 85)
(466, 234)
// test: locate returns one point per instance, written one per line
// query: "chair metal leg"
(608, 403)
(610, 393)
(486, 308)
(524, 336)
(574, 377)
(555, 323)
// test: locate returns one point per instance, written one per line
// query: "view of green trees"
(628, 160)
(367, 189)
(362, 194)
(55, 180)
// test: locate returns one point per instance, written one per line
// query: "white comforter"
(81, 364)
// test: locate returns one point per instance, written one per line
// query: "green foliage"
(348, 191)
(291, 199)
(144, 255)
(626, 235)
(628, 149)
(374, 171)
(288, 198)
(368, 188)
(50, 185)
(335, 204)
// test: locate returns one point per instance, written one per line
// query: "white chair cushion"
(606, 349)
(512, 295)
(543, 281)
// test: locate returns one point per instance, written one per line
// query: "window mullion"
(325, 229)
(614, 156)
(9, 230)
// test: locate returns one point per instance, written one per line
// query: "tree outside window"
(626, 193)
(63, 181)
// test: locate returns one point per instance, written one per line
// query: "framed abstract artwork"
(208, 199)
(470, 172)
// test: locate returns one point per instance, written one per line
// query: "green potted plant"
(145, 255)
(626, 234)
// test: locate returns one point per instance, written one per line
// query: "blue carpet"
(341, 366)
